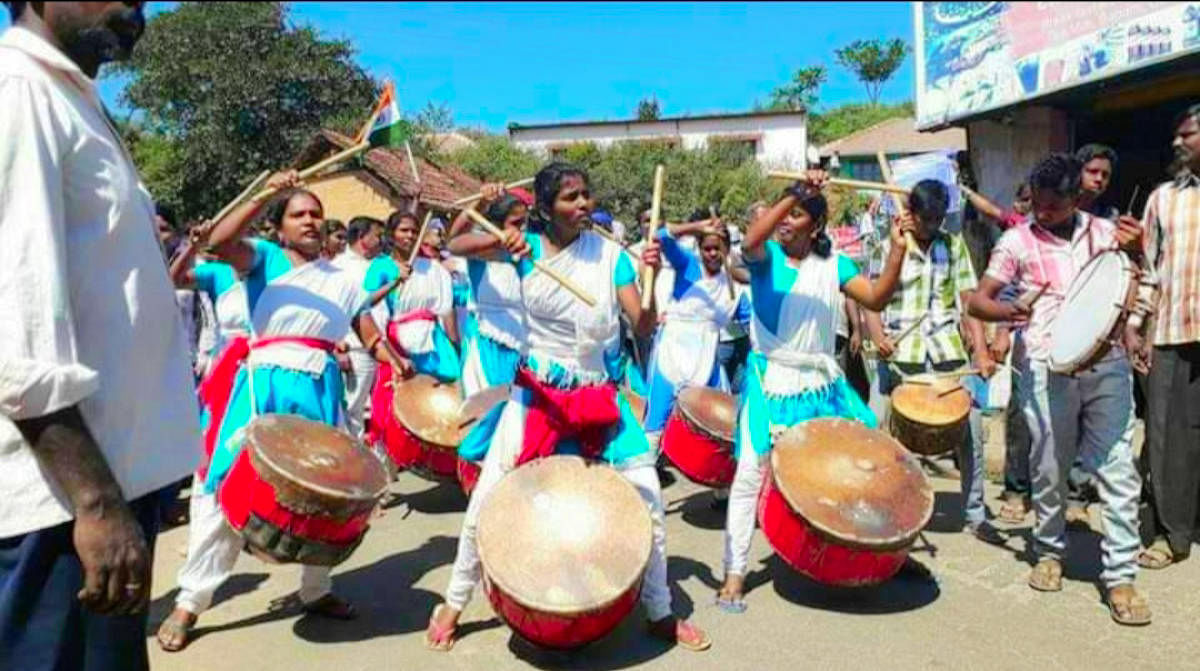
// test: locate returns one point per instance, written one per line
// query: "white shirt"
(355, 266)
(89, 314)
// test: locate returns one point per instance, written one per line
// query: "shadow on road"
(627, 646)
(241, 583)
(440, 498)
(383, 592)
(697, 510)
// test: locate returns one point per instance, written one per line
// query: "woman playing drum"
(570, 364)
(703, 303)
(796, 286)
(300, 307)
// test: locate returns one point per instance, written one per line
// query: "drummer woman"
(570, 363)
(796, 285)
(300, 307)
(703, 303)
(417, 303)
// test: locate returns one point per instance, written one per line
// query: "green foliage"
(648, 109)
(873, 61)
(801, 91)
(430, 119)
(494, 159)
(846, 119)
(230, 89)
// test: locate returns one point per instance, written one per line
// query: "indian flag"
(389, 129)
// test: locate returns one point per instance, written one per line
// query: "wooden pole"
(241, 197)
(318, 167)
(554, 274)
(652, 232)
(521, 182)
(412, 256)
(838, 181)
(886, 169)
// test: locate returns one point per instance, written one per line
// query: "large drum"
(427, 411)
(563, 545)
(301, 491)
(1093, 313)
(698, 437)
(931, 416)
(843, 503)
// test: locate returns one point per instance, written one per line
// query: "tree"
(233, 89)
(801, 91)
(873, 61)
(430, 120)
(648, 109)
(846, 119)
(494, 159)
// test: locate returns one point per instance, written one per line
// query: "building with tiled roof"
(897, 138)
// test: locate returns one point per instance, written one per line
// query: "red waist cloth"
(382, 426)
(215, 390)
(553, 415)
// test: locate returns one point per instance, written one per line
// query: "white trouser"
(360, 379)
(213, 548)
(743, 506)
(656, 596)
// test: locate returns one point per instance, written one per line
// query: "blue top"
(214, 278)
(269, 263)
(382, 271)
(771, 279)
(623, 274)
(689, 269)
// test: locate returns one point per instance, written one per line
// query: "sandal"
(1157, 556)
(332, 607)
(734, 606)
(988, 534)
(681, 632)
(1046, 576)
(1013, 510)
(1077, 518)
(437, 637)
(1127, 607)
(174, 634)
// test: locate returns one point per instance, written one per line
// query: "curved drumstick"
(521, 182)
(552, 273)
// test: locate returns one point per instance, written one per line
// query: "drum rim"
(561, 610)
(726, 438)
(421, 435)
(905, 416)
(896, 542)
(257, 453)
(1128, 275)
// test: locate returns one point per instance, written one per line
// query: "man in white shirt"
(97, 406)
(363, 241)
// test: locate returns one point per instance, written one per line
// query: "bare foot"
(175, 632)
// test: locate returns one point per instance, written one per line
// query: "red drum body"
(843, 503)
(468, 475)
(563, 545)
(698, 437)
(427, 411)
(301, 491)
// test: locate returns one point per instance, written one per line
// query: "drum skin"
(928, 420)
(1094, 312)
(843, 503)
(427, 411)
(301, 491)
(698, 437)
(564, 545)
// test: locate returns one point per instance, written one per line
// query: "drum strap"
(585, 413)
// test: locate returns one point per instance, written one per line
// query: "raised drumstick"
(651, 233)
(552, 273)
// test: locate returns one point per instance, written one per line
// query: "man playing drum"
(932, 298)
(1090, 412)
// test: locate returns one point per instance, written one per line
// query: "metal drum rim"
(421, 435)
(256, 451)
(562, 610)
(896, 542)
(722, 437)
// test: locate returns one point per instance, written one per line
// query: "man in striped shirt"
(930, 302)
(1172, 226)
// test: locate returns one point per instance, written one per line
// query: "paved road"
(979, 614)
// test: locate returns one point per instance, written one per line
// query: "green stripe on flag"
(392, 135)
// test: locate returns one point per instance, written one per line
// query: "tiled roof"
(439, 187)
(895, 136)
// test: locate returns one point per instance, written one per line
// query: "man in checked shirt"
(933, 295)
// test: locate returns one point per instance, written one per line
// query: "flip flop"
(1046, 576)
(732, 606)
(682, 633)
(1013, 510)
(1156, 557)
(332, 607)
(1133, 611)
(439, 639)
(175, 629)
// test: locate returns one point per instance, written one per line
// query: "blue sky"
(545, 62)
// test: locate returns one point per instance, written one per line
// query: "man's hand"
(985, 363)
(1016, 312)
(1000, 344)
(652, 254)
(1129, 235)
(516, 245)
(115, 559)
(885, 346)
(855, 343)
(1140, 350)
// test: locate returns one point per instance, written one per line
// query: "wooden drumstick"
(241, 197)
(521, 182)
(652, 232)
(416, 250)
(908, 331)
(1034, 299)
(886, 169)
(552, 273)
(838, 181)
(318, 167)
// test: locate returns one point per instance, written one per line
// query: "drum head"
(710, 409)
(930, 403)
(429, 409)
(560, 535)
(855, 484)
(294, 452)
(1090, 310)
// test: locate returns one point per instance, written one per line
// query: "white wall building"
(777, 139)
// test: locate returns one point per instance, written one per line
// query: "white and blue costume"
(428, 291)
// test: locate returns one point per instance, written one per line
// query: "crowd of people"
(286, 311)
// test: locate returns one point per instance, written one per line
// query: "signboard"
(975, 56)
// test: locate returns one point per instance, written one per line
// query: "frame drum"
(1093, 313)
(698, 437)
